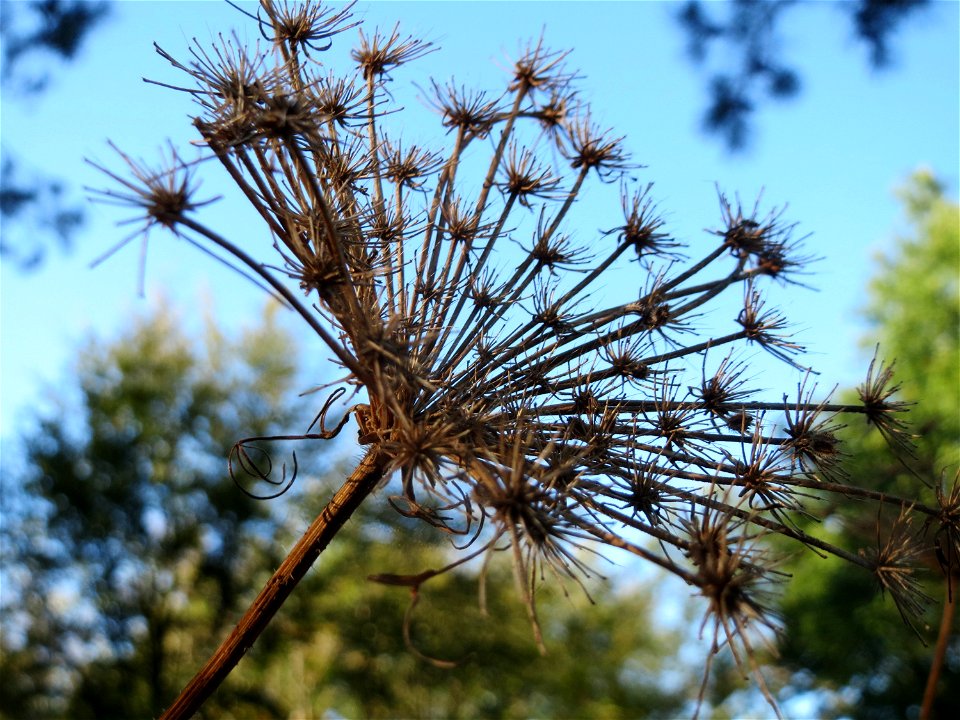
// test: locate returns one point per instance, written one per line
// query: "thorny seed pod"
(507, 387)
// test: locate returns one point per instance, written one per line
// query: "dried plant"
(521, 408)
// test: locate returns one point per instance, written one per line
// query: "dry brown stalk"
(322, 530)
(520, 405)
(939, 654)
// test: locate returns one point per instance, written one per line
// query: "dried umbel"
(519, 405)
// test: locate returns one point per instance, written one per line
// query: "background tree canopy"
(125, 532)
(34, 205)
(129, 552)
(913, 308)
(745, 34)
(97, 645)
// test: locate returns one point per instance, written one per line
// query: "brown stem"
(946, 623)
(347, 499)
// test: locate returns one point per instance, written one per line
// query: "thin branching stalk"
(523, 404)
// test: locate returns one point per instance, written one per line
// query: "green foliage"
(132, 552)
(337, 645)
(837, 627)
(126, 507)
(915, 307)
(604, 659)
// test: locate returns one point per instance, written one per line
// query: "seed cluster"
(519, 406)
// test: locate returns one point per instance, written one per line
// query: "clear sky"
(834, 154)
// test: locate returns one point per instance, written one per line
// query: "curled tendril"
(408, 640)
(322, 416)
(414, 582)
(242, 449)
(416, 511)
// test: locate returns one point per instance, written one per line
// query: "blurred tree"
(123, 506)
(33, 206)
(750, 65)
(44, 27)
(129, 552)
(609, 659)
(837, 630)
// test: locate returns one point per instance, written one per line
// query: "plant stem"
(327, 524)
(946, 623)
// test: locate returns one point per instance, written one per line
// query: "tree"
(31, 205)
(132, 548)
(914, 311)
(45, 27)
(522, 408)
(126, 509)
(746, 34)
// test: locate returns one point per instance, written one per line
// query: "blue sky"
(833, 155)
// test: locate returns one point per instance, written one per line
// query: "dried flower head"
(520, 402)
(162, 197)
(735, 576)
(895, 566)
(946, 540)
(379, 53)
(812, 444)
(881, 410)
